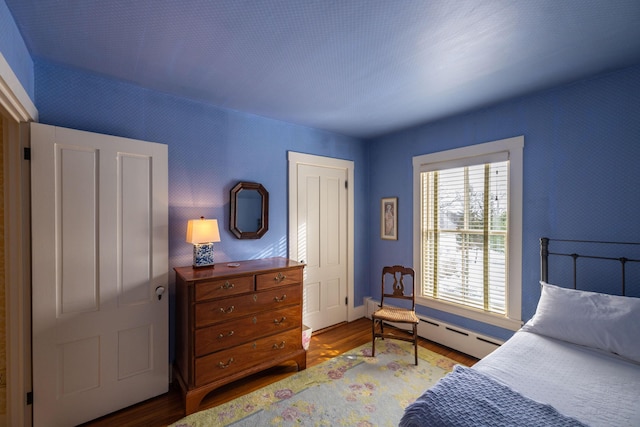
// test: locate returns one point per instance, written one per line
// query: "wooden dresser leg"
(301, 360)
(192, 401)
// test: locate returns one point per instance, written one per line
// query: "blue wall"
(15, 50)
(210, 150)
(581, 169)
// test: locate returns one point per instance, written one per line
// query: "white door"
(100, 252)
(319, 238)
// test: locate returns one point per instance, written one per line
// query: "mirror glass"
(249, 210)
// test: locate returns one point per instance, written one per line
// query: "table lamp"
(202, 233)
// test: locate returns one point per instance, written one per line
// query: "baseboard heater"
(460, 339)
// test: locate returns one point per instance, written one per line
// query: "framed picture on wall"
(389, 218)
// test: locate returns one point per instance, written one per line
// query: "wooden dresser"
(234, 321)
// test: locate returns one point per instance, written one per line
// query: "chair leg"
(373, 336)
(415, 341)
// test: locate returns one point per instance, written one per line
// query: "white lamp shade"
(202, 231)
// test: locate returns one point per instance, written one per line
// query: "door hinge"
(27, 153)
(30, 398)
(346, 300)
(346, 184)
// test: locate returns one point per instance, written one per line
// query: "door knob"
(159, 292)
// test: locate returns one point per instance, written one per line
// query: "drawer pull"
(282, 298)
(228, 310)
(227, 285)
(222, 365)
(230, 333)
(279, 278)
(278, 322)
(278, 346)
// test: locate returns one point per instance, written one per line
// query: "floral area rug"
(353, 389)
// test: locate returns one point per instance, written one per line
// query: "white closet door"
(321, 242)
(100, 251)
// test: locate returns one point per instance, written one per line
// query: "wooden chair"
(396, 290)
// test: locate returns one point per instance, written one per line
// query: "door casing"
(16, 110)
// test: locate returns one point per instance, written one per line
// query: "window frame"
(476, 154)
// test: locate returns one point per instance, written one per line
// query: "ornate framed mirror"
(249, 217)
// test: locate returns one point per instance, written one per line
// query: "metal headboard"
(544, 258)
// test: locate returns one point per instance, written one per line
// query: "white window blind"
(464, 216)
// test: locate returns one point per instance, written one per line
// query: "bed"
(575, 363)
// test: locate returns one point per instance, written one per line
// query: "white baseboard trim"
(455, 337)
(357, 313)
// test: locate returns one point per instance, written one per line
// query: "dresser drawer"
(228, 362)
(280, 278)
(223, 288)
(225, 309)
(228, 334)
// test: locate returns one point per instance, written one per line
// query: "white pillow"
(606, 322)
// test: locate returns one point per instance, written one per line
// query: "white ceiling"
(356, 67)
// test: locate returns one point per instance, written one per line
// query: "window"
(467, 219)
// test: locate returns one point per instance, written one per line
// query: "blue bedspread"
(466, 397)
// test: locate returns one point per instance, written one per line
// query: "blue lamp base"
(203, 255)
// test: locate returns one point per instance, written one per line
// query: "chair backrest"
(398, 283)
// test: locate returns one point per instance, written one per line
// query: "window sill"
(470, 313)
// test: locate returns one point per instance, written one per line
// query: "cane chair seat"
(400, 315)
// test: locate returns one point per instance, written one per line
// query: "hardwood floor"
(326, 344)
